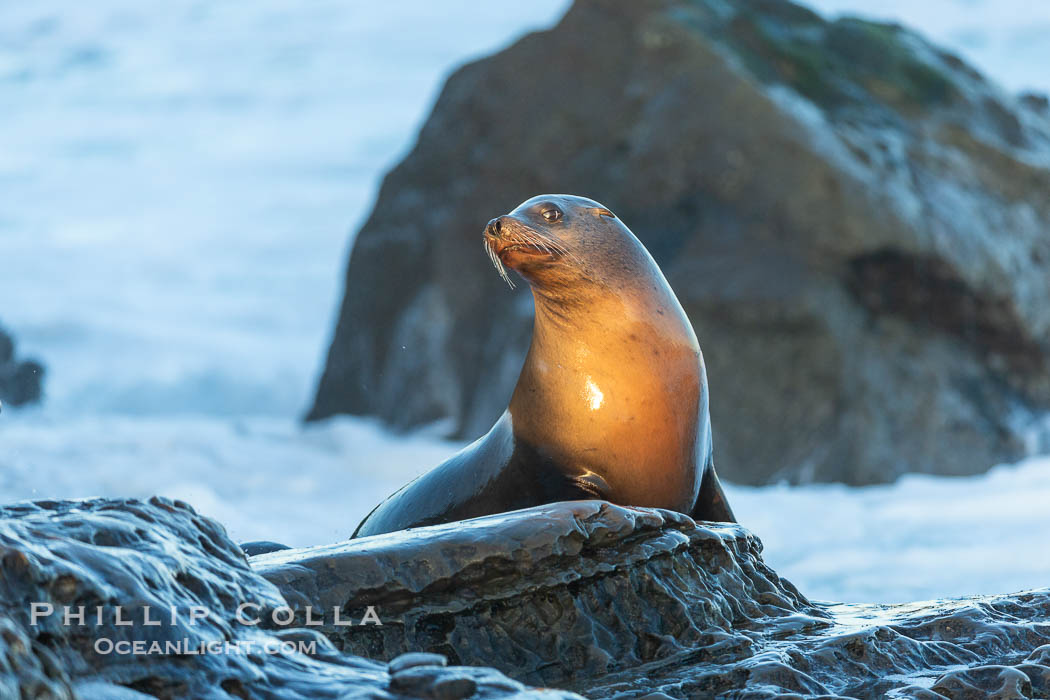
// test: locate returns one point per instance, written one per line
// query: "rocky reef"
(595, 598)
(21, 381)
(854, 219)
(556, 594)
(158, 575)
(625, 602)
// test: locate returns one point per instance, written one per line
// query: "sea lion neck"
(600, 318)
(616, 285)
(599, 336)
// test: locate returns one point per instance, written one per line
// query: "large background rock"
(855, 221)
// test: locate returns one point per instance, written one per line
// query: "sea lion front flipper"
(591, 485)
(711, 503)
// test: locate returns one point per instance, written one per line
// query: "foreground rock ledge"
(608, 601)
(106, 553)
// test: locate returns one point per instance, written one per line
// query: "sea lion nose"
(495, 227)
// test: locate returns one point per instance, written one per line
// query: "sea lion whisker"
(497, 263)
(539, 242)
(494, 260)
(558, 248)
(535, 240)
(551, 246)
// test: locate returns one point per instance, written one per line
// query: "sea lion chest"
(620, 407)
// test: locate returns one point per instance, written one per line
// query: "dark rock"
(415, 659)
(257, 547)
(432, 682)
(611, 601)
(630, 602)
(27, 668)
(1036, 101)
(854, 219)
(554, 593)
(21, 382)
(7, 348)
(987, 682)
(129, 559)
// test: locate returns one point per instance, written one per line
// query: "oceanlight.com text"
(185, 647)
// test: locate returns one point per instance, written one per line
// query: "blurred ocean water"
(179, 184)
(180, 181)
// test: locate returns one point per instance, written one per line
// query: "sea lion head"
(557, 239)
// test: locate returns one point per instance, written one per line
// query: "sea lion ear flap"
(601, 211)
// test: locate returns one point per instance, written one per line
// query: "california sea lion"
(612, 400)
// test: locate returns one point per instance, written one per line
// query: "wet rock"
(261, 547)
(854, 219)
(118, 565)
(553, 593)
(432, 682)
(1036, 101)
(21, 381)
(601, 599)
(27, 668)
(414, 660)
(630, 602)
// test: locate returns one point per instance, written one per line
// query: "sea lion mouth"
(529, 249)
(521, 245)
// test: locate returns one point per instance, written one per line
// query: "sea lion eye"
(551, 214)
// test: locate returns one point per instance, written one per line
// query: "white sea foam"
(180, 181)
(263, 478)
